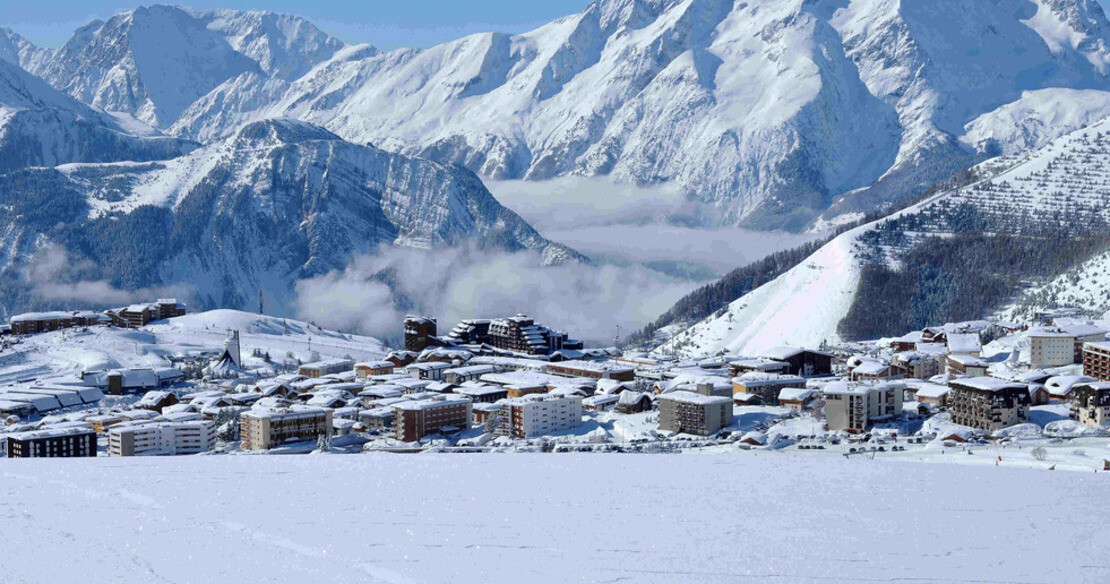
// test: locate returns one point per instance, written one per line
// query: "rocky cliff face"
(277, 202)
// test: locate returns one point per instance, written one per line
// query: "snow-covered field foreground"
(546, 518)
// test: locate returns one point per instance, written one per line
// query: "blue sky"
(386, 24)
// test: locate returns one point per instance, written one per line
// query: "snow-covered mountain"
(277, 202)
(153, 62)
(768, 109)
(40, 126)
(1064, 185)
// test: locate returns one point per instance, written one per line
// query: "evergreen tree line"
(958, 278)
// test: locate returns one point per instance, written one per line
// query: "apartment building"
(1056, 346)
(1090, 403)
(1096, 360)
(138, 315)
(412, 420)
(853, 407)
(264, 429)
(692, 413)
(988, 403)
(592, 370)
(539, 415)
(162, 438)
(1050, 347)
(521, 334)
(37, 322)
(420, 332)
(52, 443)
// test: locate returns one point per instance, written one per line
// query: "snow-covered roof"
(796, 394)
(964, 343)
(688, 397)
(1061, 385)
(931, 390)
(760, 378)
(986, 383)
(442, 400)
(601, 399)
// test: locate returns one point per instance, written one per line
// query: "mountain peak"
(275, 131)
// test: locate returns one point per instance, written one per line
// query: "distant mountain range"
(775, 111)
(266, 151)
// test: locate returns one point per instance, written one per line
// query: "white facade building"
(539, 414)
(162, 438)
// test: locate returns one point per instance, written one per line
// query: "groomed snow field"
(557, 518)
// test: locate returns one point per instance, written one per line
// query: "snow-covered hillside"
(769, 110)
(277, 202)
(40, 126)
(566, 517)
(1063, 184)
(66, 353)
(1086, 286)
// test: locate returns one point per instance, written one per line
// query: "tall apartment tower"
(419, 331)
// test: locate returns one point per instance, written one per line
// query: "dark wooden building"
(58, 443)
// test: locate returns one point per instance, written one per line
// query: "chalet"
(373, 369)
(964, 344)
(875, 370)
(156, 401)
(322, 368)
(765, 385)
(802, 362)
(933, 394)
(988, 403)
(917, 364)
(633, 402)
(1038, 394)
(402, 358)
(798, 398)
(1059, 387)
(432, 371)
(600, 402)
(754, 438)
(907, 342)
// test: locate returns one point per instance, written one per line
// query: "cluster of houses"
(515, 379)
